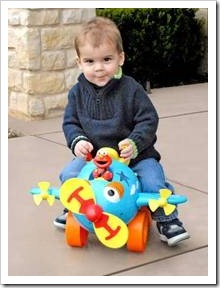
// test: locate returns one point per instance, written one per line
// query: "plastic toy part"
(138, 231)
(75, 234)
(76, 195)
(113, 154)
(44, 194)
(111, 231)
(162, 202)
(102, 161)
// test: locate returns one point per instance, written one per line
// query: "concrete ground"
(37, 248)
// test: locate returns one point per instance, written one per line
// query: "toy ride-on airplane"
(106, 199)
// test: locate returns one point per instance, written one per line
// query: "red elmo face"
(102, 160)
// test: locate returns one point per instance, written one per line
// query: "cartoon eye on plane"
(106, 199)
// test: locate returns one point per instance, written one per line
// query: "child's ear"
(122, 58)
(78, 62)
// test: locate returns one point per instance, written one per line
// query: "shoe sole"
(174, 240)
(59, 225)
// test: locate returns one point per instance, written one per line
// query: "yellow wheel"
(75, 234)
(138, 231)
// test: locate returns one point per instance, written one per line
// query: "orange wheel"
(75, 234)
(138, 231)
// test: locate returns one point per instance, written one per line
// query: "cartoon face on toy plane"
(119, 195)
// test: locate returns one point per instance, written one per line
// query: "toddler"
(109, 109)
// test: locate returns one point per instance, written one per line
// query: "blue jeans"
(150, 174)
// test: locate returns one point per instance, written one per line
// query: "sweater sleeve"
(145, 119)
(72, 129)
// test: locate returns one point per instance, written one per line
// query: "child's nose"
(98, 66)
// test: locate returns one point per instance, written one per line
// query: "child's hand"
(82, 148)
(126, 149)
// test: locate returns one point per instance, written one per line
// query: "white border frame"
(211, 278)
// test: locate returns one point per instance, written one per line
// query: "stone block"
(53, 60)
(29, 48)
(76, 16)
(88, 14)
(12, 37)
(13, 17)
(36, 107)
(55, 38)
(40, 17)
(12, 59)
(18, 102)
(71, 58)
(43, 83)
(15, 82)
(71, 76)
(55, 104)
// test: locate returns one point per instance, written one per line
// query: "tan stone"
(36, 107)
(70, 58)
(18, 102)
(17, 17)
(88, 14)
(43, 83)
(71, 76)
(15, 82)
(24, 17)
(53, 60)
(76, 16)
(55, 104)
(13, 17)
(58, 37)
(39, 17)
(12, 37)
(28, 48)
(12, 59)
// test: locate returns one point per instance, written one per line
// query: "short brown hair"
(98, 30)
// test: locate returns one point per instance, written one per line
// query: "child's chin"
(101, 84)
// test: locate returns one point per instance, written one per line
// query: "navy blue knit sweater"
(105, 116)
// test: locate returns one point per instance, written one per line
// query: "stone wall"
(41, 59)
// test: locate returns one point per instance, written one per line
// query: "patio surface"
(37, 248)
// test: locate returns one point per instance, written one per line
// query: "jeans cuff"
(164, 218)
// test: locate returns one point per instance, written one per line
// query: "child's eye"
(107, 59)
(89, 61)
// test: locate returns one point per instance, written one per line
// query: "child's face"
(100, 64)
